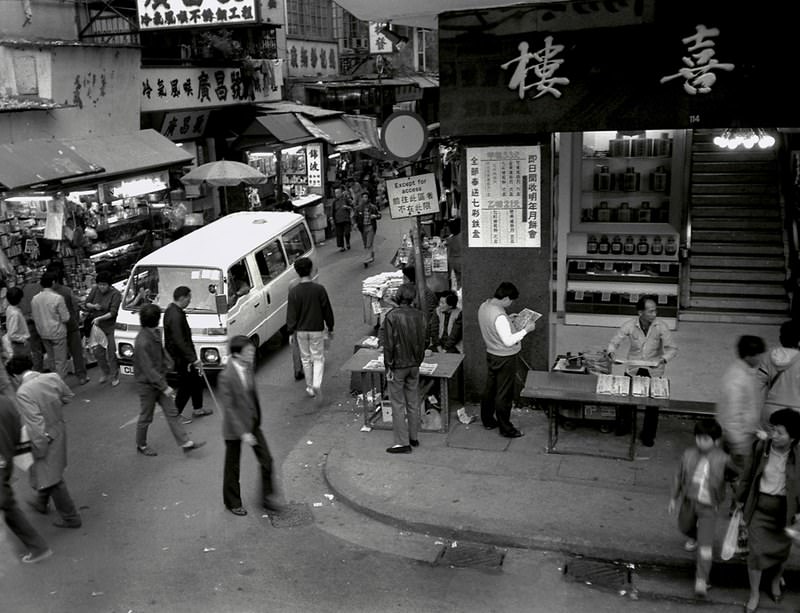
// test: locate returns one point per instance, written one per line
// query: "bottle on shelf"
(602, 179)
(658, 246)
(604, 246)
(671, 247)
(616, 246)
(658, 179)
(587, 214)
(629, 248)
(624, 213)
(644, 212)
(639, 147)
(603, 213)
(631, 180)
(643, 248)
(591, 244)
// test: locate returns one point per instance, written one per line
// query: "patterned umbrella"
(224, 173)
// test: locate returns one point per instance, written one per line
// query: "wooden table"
(446, 366)
(555, 387)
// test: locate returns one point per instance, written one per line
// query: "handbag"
(23, 452)
(731, 535)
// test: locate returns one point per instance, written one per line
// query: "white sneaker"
(310, 391)
(700, 588)
(690, 545)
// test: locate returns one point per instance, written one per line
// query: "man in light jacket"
(51, 315)
(779, 372)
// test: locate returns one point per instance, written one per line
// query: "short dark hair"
(237, 343)
(506, 290)
(303, 266)
(708, 427)
(789, 334)
(450, 297)
(149, 315)
(19, 364)
(103, 277)
(48, 279)
(410, 273)
(641, 304)
(181, 292)
(406, 294)
(750, 346)
(56, 267)
(789, 419)
(14, 295)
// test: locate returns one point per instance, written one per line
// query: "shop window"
(297, 243)
(239, 282)
(310, 19)
(270, 261)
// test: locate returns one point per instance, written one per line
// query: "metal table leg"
(445, 400)
(634, 429)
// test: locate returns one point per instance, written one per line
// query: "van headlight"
(119, 326)
(126, 350)
(223, 331)
(209, 356)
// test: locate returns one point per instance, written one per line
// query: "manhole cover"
(608, 575)
(296, 514)
(484, 556)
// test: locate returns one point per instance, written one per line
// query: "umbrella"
(224, 173)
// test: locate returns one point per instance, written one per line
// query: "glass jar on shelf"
(658, 246)
(643, 247)
(591, 244)
(604, 247)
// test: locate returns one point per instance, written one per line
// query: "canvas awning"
(275, 129)
(41, 163)
(336, 132)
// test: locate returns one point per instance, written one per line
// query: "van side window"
(239, 282)
(270, 261)
(297, 242)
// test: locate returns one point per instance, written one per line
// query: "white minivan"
(239, 269)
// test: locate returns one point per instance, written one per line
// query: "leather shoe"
(414, 442)
(194, 445)
(146, 450)
(60, 523)
(489, 426)
(298, 375)
(202, 412)
(512, 433)
(399, 449)
(648, 442)
(240, 511)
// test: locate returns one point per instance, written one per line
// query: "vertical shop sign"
(504, 187)
(314, 152)
(412, 196)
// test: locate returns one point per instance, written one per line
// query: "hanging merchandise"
(31, 248)
(54, 222)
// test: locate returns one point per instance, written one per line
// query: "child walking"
(697, 493)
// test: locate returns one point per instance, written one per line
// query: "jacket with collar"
(241, 410)
(404, 334)
(718, 465)
(747, 491)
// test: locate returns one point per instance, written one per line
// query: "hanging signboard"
(314, 153)
(378, 41)
(504, 203)
(412, 196)
(161, 14)
(184, 125)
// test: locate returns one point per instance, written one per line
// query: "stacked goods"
(597, 361)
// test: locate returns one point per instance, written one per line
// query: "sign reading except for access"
(412, 196)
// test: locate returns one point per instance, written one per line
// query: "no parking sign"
(412, 196)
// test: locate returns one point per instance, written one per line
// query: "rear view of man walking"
(308, 313)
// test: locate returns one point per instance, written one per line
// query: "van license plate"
(126, 369)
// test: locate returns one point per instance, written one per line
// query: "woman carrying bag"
(366, 216)
(770, 493)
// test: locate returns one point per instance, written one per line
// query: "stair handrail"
(789, 197)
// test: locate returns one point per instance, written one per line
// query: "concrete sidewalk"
(473, 485)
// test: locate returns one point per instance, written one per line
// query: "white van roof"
(222, 242)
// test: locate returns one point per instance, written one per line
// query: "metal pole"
(420, 268)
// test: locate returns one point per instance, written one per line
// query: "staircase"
(736, 264)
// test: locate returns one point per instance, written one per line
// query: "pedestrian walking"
(342, 209)
(241, 423)
(367, 215)
(404, 335)
(180, 347)
(16, 327)
(650, 341)
(502, 350)
(103, 304)
(697, 492)
(50, 316)
(29, 290)
(770, 495)
(10, 428)
(74, 338)
(40, 398)
(150, 372)
(308, 314)
(779, 372)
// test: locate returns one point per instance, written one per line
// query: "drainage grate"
(605, 575)
(471, 555)
(293, 515)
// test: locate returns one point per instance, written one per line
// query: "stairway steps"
(733, 262)
(741, 275)
(732, 211)
(757, 202)
(775, 290)
(703, 187)
(755, 249)
(709, 152)
(745, 224)
(738, 236)
(739, 304)
(735, 169)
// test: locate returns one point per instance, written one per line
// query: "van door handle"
(256, 305)
(269, 301)
(231, 321)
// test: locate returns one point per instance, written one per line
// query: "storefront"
(591, 153)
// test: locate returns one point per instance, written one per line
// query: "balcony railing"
(111, 22)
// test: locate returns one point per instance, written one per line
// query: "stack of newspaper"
(659, 387)
(641, 386)
(616, 385)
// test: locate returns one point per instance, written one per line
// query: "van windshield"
(155, 284)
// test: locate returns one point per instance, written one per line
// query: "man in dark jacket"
(150, 367)
(179, 345)
(308, 313)
(342, 209)
(15, 519)
(103, 303)
(404, 336)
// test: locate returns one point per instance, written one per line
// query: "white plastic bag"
(731, 536)
(97, 337)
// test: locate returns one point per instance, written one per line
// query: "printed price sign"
(412, 196)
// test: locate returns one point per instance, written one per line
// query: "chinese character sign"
(699, 65)
(504, 197)
(378, 42)
(184, 125)
(314, 164)
(412, 196)
(160, 14)
(545, 65)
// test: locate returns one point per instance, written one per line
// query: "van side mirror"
(222, 304)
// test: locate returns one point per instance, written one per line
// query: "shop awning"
(284, 106)
(367, 129)
(125, 154)
(41, 162)
(336, 132)
(273, 130)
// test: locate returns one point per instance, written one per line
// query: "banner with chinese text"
(160, 14)
(504, 196)
(314, 153)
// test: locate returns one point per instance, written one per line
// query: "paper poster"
(54, 224)
(504, 196)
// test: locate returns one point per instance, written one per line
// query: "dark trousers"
(75, 350)
(18, 523)
(650, 423)
(190, 385)
(148, 397)
(36, 347)
(61, 499)
(499, 393)
(231, 494)
(343, 234)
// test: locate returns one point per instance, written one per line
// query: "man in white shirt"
(503, 344)
(50, 316)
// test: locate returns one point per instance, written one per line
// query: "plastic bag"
(97, 337)
(731, 536)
